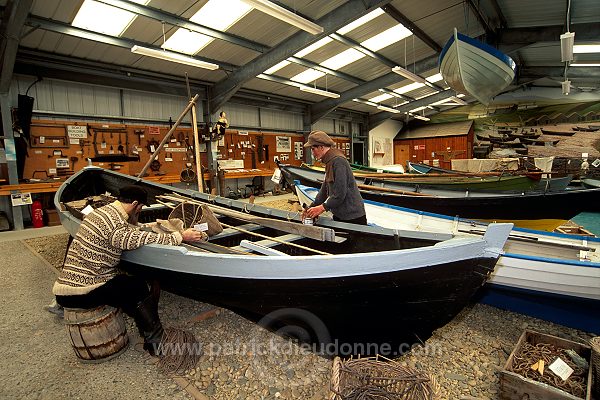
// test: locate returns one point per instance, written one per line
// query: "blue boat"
(475, 68)
(548, 275)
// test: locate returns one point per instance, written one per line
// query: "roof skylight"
(99, 17)
(212, 16)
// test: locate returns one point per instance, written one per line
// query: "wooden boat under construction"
(534, 209)
(346, 285)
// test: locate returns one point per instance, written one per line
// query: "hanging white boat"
(475, 68)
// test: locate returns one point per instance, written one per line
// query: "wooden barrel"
(97, 334)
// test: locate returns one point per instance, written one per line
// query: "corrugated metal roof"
(436, 130)
(436, 18)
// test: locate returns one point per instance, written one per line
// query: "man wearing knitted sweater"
(339, 193)
(90, 276)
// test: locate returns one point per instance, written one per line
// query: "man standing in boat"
(90, 276)
(339, 192)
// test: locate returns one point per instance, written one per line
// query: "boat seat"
(254, 246)
(271, 243)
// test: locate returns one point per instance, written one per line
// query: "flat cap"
(319, 138)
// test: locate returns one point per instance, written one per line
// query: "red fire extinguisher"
(37, 214)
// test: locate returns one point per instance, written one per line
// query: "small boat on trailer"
(535, 209)
(472, 67)
(547, 275)
(345, 284)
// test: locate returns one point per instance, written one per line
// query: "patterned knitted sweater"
(96, 250)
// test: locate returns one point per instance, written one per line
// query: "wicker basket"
(193, 214)
(381, 378)
(595, 345)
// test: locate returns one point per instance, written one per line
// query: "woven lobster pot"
(381, 378)
(595, 345)
(193, 214)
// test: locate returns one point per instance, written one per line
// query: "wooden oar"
(312, 232)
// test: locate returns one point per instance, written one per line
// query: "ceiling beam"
(528, 36)
(175, 20)
(558, 72)
(319, 110)
(499, 13)
(411, 26)
(346, 13)
(66, 29)
(13, 20)
(37, 63)
(480, 17)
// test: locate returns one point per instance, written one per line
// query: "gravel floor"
(464, 356)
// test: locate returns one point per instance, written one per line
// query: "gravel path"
(38, 362)
(241, 360)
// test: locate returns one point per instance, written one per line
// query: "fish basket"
(595, 345)
(381, 378)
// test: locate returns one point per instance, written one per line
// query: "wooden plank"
(313, 232)
(255, 246)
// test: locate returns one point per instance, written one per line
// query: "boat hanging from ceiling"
(475, 68)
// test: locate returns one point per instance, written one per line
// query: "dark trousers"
(122, 291)
(359, 221)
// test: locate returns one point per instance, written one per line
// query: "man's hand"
(192, 235)
(314, 212)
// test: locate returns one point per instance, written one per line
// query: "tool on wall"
(260, 148)
(139, 133)
(56, 153)
(123, 157)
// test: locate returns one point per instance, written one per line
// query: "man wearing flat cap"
(90, 276)
(339, 193)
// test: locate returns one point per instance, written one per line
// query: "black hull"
(534, 205)
(398, 309)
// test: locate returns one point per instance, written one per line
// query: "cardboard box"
(514, 386)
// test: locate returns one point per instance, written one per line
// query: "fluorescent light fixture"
(285, 15)
(388, 109)
(409, 75)
(173, 57)
(566, 46)
(586, 48)
(417, 109)
(585, 64)
(319, 92)
(99, 17)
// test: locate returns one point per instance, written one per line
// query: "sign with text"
(77, 131)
